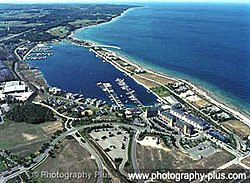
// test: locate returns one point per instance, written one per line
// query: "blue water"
(205, 43)
(77, 70)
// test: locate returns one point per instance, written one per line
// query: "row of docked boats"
(109, 91)
(130, 92)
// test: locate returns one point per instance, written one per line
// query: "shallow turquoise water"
(205, 43)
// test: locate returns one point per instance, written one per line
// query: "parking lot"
(114, 141)
(203, 150)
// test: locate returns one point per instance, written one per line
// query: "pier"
(107, 46)
(39, 52)
(108, 89)
(129, 92)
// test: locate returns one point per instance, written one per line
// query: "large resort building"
(173, 121)
(180, 113)
(178, 117)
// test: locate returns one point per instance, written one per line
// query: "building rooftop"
(14, 83)
(14, 88)
(190, 117)
(181, 123)
(168, 115)
(218, 135)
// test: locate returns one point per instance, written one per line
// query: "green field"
(60, 31)
(78, 21)
(161, 91)
(84, 21)
(23, 14)
(70, 157)
(23, 139)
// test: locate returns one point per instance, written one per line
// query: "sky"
(117, 1)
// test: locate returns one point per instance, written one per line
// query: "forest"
(30, 113)
(34, 21)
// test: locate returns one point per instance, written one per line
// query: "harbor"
(73, 68)
(129, 92)
(113, 97)
(125, 95)
(40, 52)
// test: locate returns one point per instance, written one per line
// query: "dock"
(109, 91)
(39, 53)
(129, 92)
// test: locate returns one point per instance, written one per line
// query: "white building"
(17, 89)
(14, 87)
(197, 123)
(55, 90)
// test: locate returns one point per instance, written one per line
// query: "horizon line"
(127, 2)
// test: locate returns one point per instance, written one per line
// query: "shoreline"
(208, 95)
(103, 23)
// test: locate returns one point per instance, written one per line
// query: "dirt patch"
(198, 101)
(238, 127)
(145, 82)
(49, 129)
(152, 142)
(29, 136)
(174, 159)
(246, 161)
(71, 158)
(161, 79)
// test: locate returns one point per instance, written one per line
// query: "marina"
(68, 63)
(126, 94)
(113, 97)
(129, 92)
(40, 52)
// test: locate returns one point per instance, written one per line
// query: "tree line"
(30, 113)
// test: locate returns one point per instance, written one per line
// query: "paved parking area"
(203, 150)
(113, 140)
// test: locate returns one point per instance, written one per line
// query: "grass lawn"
(23, 138)
(70, 158)
(161, 91)
(60, 31)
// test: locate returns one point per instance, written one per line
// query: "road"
(93, 153)
(237, 160)
(12, 36)
(107, 46)
(38, 160)
(55, 111)
(133, 154)
(14, 66)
